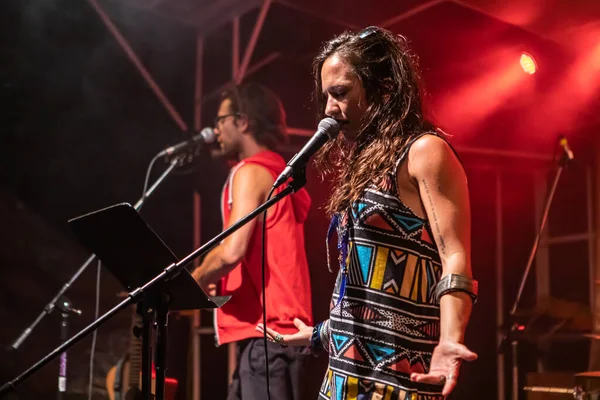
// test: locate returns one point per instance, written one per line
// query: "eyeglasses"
(222, 117)
(367, 32)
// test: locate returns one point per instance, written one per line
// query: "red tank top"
(286, 269)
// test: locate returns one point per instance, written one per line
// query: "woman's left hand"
(300, 338)
(445, 365)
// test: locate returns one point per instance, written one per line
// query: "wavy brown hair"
(388, 71)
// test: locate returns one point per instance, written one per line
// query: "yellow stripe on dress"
(379, 269)
(352, 388)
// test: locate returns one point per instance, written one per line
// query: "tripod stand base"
(119, 374)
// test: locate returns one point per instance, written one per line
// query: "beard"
(224, 152)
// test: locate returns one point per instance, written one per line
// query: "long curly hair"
(388, 71)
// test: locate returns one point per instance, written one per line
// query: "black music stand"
(165, 278)
(134, 254)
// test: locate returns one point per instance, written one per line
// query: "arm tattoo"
(434, 223)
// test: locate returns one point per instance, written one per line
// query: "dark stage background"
(78, 127)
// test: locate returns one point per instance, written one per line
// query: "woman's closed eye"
(337, 92)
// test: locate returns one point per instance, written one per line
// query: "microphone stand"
(135, 296)
(52, 304)
(66, 308)
(514, 327)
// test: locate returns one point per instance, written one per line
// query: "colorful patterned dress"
(387, 324)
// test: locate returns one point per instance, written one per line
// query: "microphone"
(565, 145)
(206, 136)
(328, 129)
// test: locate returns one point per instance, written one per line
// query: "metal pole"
(241, 73)
(138, 64)
(235, 47)
(589, 183)
(572, 238)
(198, 83)
(409, 13)
(515, 370)
(499, 287)
(461, 149)
(196, 360)
(237, 76)
(148, 321)
(196, 322)
(160, 365)
(252, 69)
(542, 258)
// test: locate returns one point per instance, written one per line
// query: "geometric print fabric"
(387, 323)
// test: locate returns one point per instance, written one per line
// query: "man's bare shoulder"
(253, 176)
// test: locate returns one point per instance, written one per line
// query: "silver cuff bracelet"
(325, 334)
(456, 283)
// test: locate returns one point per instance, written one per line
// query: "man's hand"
(209, 288)
(445, 365)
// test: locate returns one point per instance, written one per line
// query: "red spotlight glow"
(528, 63)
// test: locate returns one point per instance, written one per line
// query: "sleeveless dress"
(384, 322)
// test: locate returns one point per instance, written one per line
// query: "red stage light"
(528, 63)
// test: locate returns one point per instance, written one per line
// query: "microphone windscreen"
(330, 125)
(208, 135)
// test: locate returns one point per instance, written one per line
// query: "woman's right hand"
(300, 338)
